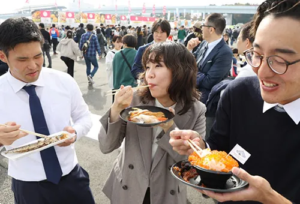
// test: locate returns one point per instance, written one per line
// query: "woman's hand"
(123, 99)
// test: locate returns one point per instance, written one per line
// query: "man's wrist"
(275, 198)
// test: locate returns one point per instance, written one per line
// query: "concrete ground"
(88, 152)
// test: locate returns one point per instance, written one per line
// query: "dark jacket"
(46, 35)
(79, 34)
(3, 68)
(214, 68)
(137, 67)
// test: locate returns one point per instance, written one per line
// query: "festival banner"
(91, 18)
(108, 19)
(136, 21)
(62, 17)
(129, 7)
(46, 17)
(123, 20)
(77, 17)
(102, 18)
(36, 16)
(70, 18)
(84, 18)
(113, 19)
(54, 16)
(97, 18)
(148, 20)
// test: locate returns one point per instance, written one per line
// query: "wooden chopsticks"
(29, 132)
(113, 92)
(195, 147)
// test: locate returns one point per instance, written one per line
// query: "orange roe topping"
(217, 156)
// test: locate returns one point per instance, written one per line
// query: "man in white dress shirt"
(57, 100)
(244, 42)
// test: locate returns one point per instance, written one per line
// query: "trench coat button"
(131, 166)
(125, 187)
(172, 192)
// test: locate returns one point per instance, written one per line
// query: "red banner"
(148, 19)
(91, 16)
(123, 18)
(164, 10)
(129, 7)
(45, 14)
(136, 18)
(70, 14)
(107, 16)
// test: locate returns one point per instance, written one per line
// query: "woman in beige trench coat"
(140, 174)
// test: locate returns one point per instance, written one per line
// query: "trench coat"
(134, 169)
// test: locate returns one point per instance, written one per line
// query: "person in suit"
(261, 113)
(213, 57)
(45, 101)
(161, 30)
(141, 171)
(3, 67)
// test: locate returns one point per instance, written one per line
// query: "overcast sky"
(10, 5)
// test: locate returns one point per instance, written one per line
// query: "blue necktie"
(50, 161)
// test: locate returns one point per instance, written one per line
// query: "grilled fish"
(37, 145)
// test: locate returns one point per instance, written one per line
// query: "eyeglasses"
(277, 64)
(209, 26)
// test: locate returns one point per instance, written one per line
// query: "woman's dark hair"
(276, 8)
(129, 40)
(69, 34)
(246, 32)
(98, 30)
(15, 31)
(164, 26)
(117, 38)
(183, 66)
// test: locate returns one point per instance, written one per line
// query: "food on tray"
(146, 116)
(38, 144)
(186, 171)
(213, 160)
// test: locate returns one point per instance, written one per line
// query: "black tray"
(233, 183)
(125, 113)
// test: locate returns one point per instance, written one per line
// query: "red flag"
(79, 4)
(27, 2)
(153, 10)
(116, 6)
(144, 8)
(129, 7)
(55, 4)
(164, 10)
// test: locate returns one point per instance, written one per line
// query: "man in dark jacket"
(213, 57)
(79, 33)
(46, 45)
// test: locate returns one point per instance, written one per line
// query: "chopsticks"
(114, 92)
(29, 132)
(195, 147)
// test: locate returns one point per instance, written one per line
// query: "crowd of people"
(221, 97)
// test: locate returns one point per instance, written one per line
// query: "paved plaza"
(90, 157)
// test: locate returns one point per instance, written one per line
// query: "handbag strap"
(125, 60)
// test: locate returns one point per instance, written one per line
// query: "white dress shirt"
(157, 130)
(109, 67)
(61, 101)
(246, 71)
(292, 109)
(211, 46)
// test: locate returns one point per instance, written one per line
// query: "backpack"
(85, 45)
